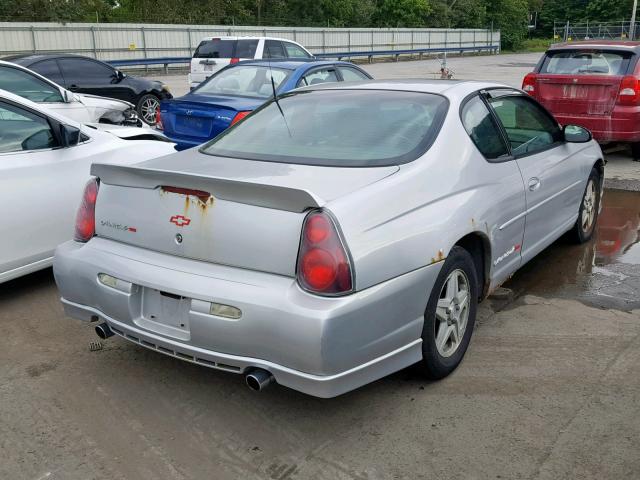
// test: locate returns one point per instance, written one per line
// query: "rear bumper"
(623, 125)
(320, 346)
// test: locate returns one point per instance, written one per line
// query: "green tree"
(511, 17)
(402, 13)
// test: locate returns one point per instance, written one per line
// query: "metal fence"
(599, 30)
(130, 41)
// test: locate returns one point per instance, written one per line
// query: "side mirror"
(67, 95)
(576, 134)
(70, 135)
(119, 75)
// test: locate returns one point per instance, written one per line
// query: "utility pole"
(632, 27)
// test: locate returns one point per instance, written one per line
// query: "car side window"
(21, 130)
(323, 75)
(273, 49)
(49, 69)
(529, 128)
(86, 72)
(483, 129)
(351, 74)
(246, 48)
(294, 51)
(28, 86)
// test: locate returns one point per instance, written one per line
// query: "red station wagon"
(594, 84)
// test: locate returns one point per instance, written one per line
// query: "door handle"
(534, 184)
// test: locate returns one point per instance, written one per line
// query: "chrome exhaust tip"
(258, 379)
(103, 331)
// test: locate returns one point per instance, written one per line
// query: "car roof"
(246, 37)
(600, 44)
(293, 64)
(30, 59)
(449, 88)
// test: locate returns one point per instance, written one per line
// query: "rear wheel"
(146, 108)
(589, 209)
(450, 315)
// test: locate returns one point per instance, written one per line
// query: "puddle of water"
(604, 272)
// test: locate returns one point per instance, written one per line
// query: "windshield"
(350, 128)
(244, 80)
(584, 62)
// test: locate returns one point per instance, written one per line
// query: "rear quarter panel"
(413, 218)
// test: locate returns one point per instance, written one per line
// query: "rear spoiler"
(260, 194)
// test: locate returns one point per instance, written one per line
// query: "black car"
(87, 75)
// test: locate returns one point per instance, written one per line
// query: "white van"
(214, 53)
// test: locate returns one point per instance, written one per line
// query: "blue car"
(237, 90)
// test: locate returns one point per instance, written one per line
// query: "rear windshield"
(345, 128)
(244, 80)
(586, 62)
(219, 48)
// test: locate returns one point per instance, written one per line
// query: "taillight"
(529, 84)
(323, 262)
(86, 216)
(239, 116)
(234, 60)
(629, 93)
(158, 124)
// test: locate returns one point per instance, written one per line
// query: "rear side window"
(586, 62)
(246, 48)
(483, 129)
(50, 70)
(215, 48)
(342, 128)
(273, 49)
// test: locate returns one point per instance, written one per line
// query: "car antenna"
(275, 97)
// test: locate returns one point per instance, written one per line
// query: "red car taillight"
(158, 124)
(239, 116)
(86, 216)
(529, 84)
(234, 60)
(629, 93)
(323, 262)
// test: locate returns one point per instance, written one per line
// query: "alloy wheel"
(452, 313)
(148, 109)
(589, 207)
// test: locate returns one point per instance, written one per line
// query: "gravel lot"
(549, 388)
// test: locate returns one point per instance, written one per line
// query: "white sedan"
(44, 164)
(81, 108)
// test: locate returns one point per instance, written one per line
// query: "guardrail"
(412, 51)
(166, 61)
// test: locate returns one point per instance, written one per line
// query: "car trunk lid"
(234, 212)
(198, 117)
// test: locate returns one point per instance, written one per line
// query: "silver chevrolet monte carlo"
(335, 236)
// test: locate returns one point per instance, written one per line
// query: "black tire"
(436, 362)
(584, 228)
(635, 151)
(144, 107)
